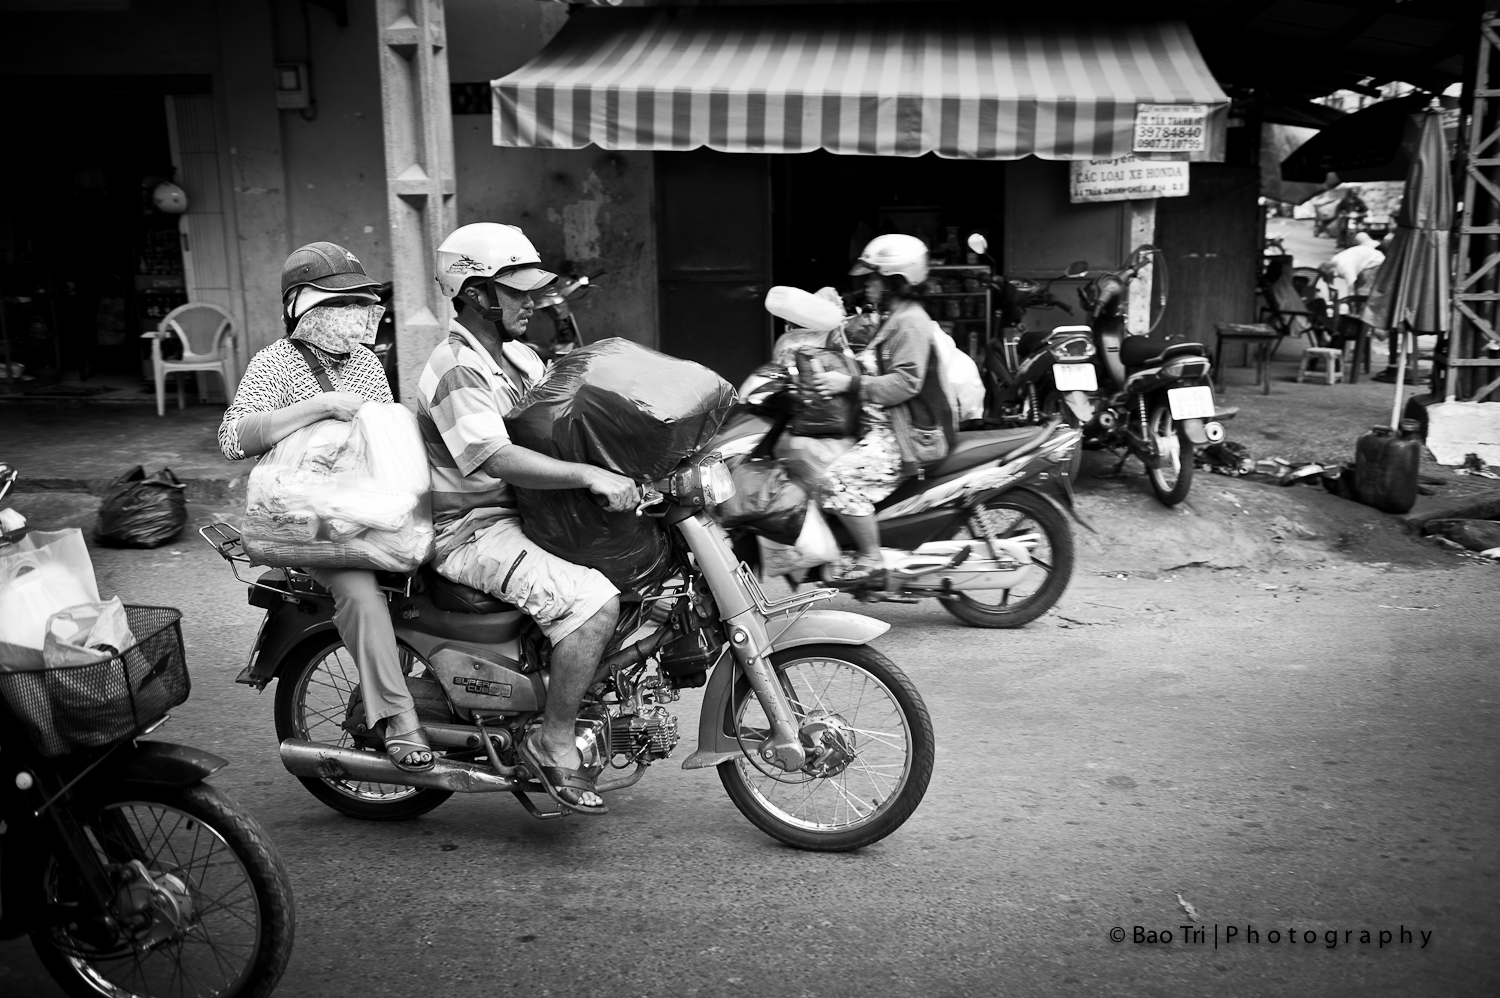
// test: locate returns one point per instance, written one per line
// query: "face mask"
(339, 329)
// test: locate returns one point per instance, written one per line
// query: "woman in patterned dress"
(329, 306)
(897, 392)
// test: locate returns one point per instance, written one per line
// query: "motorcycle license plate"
(1075, 377)
(1191, 403)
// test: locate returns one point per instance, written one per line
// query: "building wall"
(585, 208)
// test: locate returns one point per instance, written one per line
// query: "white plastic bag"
(815, 546)
(83, 635)
(46, 571)
(339, 494)
(960, 377)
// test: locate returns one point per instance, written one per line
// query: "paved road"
(1310, 751)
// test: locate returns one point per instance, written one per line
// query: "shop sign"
(1126, 179)
(1171, 128)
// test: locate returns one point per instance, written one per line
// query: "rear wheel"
(1035, 521)
(204, 908)
(317, 687)
(1173, 475)
(871, 749)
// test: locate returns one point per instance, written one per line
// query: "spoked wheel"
(1029, 518)
(313, 698)
(870, 750)
(1173, 476)
(204, 908)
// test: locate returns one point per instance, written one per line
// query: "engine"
(643, 737)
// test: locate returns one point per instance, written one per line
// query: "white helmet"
(488, 249)
(894, 253)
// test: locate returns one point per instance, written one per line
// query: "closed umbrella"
(1411, 289)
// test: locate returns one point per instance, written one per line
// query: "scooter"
(820, 740)
(1155, 400)
(982, 532)
(556, 301)
(131, 875)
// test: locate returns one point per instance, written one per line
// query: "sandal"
(403, 748)
(862, 575)
(567, 787)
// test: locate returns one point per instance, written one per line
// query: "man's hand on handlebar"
(619, 494)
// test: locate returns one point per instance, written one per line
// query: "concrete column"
(1141, 219)
(418, 128)
(258, 179)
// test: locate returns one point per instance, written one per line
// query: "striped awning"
(963, 81)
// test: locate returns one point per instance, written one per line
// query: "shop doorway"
(86, 262)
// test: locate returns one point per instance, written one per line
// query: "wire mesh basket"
(83, 707)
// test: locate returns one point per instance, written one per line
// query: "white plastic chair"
(206, 333)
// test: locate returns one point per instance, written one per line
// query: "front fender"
(158, 764)
(716, 740)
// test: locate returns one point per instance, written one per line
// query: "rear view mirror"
(1078, 268)
(978, 243)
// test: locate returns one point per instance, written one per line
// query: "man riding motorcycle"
(472, 379)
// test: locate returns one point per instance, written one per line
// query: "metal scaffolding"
(1474, 350)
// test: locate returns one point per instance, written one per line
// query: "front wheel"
(205, 905)
(1027, 518)
(313, 698)
(1173, 475)
(870, 750)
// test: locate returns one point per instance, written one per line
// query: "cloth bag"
(141, 511)
(44, 572)
(343, 494)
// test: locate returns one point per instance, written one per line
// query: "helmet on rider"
(480, 254)
(894, 255)
(323, 273)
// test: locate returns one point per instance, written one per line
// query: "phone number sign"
(1171, 128)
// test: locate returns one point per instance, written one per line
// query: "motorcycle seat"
(1143, 351)
(455, 597)
(979, 446)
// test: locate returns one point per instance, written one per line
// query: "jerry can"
(1385, 467)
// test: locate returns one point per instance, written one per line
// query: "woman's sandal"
(562, 783)
(863, 575)
(402, 748)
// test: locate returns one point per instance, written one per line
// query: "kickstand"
(536, 812)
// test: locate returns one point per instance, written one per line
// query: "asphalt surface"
(1305, 747)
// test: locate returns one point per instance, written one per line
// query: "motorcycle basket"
(93, 706)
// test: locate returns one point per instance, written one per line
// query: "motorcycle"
(820, 740)
(556, 301)
(131, 875)
(1036, 375)
(1155, 400)
(981, 532)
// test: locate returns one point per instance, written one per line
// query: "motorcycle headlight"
(702, 481)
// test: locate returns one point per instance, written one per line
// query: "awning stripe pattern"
(965, 82)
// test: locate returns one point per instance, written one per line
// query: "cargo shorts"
(501, 560)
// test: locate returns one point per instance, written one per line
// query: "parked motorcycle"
(820, 740)
(1155, 400)
(131, 875)
(1036, 375)
(556, 301)
(981, 532)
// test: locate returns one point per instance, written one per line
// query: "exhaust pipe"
(329, 762)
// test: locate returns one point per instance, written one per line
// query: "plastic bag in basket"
(339, 494)
(46, 571)
(82, 635)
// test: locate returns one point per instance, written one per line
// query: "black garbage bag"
(141, 511)
(765, 499)
(628, 408)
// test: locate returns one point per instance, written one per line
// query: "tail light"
(1186, 367)
(1072, 347)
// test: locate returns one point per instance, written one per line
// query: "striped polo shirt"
(462, 398)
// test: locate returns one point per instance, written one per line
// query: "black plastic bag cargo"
(625, 407)
(141, 511)
(765, 499)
